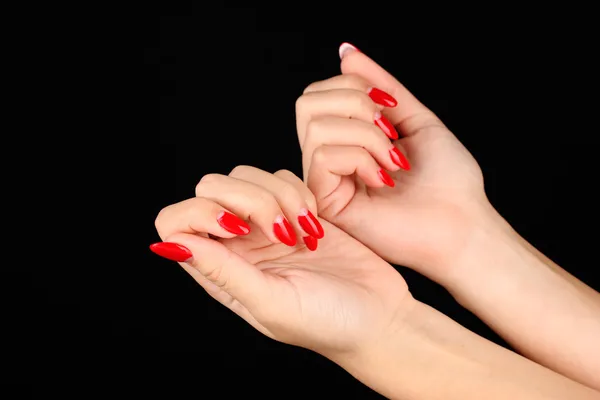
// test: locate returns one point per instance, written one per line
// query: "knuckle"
(160, 218)
(354, 81)
(285, 174)
(207, 179)
(319, 156)
(217, 274)
(300, 103)
(310, 87)
(241, 170)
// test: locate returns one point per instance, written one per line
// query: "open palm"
(323, 300)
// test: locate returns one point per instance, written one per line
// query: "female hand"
(341, 300)
(344, 127)
(436, 218)
(237, 239)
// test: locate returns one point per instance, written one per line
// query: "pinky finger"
(330, 163)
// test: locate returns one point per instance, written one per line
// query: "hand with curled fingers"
(239, 239)
(385, 169)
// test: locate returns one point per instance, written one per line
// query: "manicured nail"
(346, 48)
(310, 242)
(284, 231)
(171, 251)
(386, 126)
(399, 159)
(386, 178)
(382, 98)
(232, 223)
(310, 224)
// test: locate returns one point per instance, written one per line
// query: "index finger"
(410, 116)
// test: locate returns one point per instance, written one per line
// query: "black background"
(217, 89)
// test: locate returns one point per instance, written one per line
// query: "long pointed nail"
(284, 231)
(399, 159)
(382, 98)
(386, 126)
(310, 242)
(310, 224)
(232, 223)
(171, 251)
(386, 178)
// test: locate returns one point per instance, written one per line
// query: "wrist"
(425, 355)
(490, 245)
(386, 363)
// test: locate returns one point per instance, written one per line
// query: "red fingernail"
(171, 251)
(399, 159)
(386, 178)
(284, 231)
(310, 242)
(386, 126)
(382, 98)
(310, 224)
(345, 48)
(232, 223)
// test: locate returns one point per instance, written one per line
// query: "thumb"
(410, 115)
(219, 265)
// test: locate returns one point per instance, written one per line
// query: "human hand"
(423, 220)
(337, 299)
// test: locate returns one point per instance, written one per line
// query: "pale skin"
(437, 219)
(344, 300)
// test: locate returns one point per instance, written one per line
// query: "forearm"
(429, 356)
(540, 309)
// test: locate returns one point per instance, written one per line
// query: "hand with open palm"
(238, 238)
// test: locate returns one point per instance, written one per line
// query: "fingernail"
(386, 126)
(310, 242)
(310, 224)
(284, 231)
(171, 251)
(346, 48)
(232, 223)
(399, 159)
(386, 178)
(382, 98)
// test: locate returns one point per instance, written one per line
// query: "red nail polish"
(345, 48)
(310, 242)
(386, 178)
(399, 159)
(386, 126)
(310, 224)
(171, 251)
(284, 231)
(382, 98)
(232, 223)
